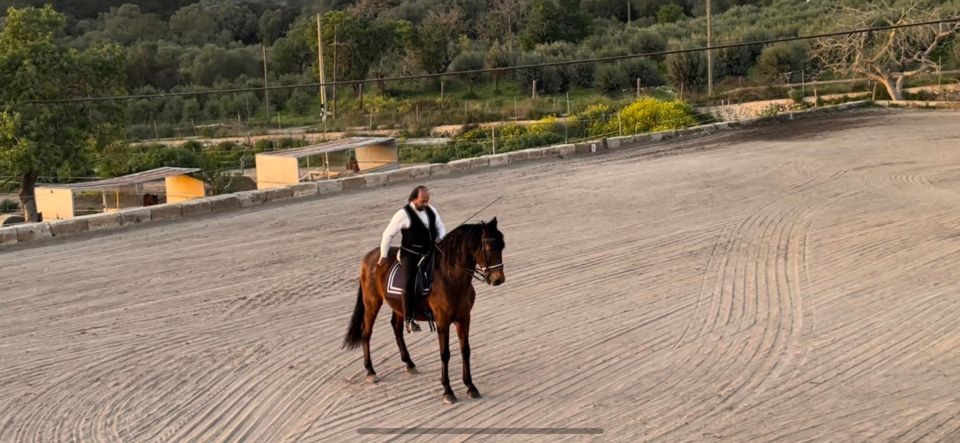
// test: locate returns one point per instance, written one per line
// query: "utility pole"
(709, 51)
(266, 90)
(323, 85)
(336, 43)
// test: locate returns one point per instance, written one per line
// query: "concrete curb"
(34, 232)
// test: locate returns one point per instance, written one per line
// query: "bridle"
(479, 273)
(486, 270)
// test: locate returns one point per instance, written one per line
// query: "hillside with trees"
(176, 48)
(220, 44)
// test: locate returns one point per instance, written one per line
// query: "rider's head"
(420, 197)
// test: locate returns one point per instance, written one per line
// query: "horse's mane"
(464, 237)
(451, 244)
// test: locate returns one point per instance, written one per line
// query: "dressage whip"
(481, 210)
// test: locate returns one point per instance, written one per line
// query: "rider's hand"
(381, 261)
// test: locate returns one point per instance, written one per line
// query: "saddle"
(397, 281)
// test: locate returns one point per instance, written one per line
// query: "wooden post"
(335, 44)
(326, 163)
(709, 51)
(323, 85)
(803, 82)
(266, 86)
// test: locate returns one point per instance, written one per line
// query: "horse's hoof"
(449, 399)
(372, 378)
(473, 393)
(412, 370)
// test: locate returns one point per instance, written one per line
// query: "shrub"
(646, 70)
(610, 78)
(592, 120)
(687, 69)
(8, 205)
(782, 61)
(650, 115)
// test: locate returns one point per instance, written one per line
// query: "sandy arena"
(790, 282)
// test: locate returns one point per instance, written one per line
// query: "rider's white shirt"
(401, 221)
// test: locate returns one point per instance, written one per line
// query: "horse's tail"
(355, 330)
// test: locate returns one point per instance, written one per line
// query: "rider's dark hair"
(416, 192)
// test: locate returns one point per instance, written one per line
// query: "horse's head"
(489, 257)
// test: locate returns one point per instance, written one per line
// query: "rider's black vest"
(418, 238)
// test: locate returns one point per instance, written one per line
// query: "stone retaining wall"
(33, 232)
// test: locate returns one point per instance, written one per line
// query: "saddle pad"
(397, 281)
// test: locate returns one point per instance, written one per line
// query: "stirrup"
(412, 326)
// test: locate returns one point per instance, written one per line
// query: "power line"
(504, 69)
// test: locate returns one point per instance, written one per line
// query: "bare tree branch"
(905, 50)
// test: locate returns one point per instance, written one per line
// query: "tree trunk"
(27, 200)
(893, 88)
(899, 87)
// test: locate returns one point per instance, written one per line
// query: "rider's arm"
(441, 230)
(398, 222)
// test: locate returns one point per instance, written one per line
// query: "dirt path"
(787, 283)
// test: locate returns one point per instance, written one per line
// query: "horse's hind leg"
(397, 322)
(463, 333)
(370, 316)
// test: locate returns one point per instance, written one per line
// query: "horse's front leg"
(443, 333)
(463, 333)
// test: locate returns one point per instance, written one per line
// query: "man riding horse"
(421, 228)
(471, 252)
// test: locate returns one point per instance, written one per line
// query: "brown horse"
(470, 251)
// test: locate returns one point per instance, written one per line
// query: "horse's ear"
(493, 223)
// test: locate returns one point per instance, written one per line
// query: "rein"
(483, 271)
